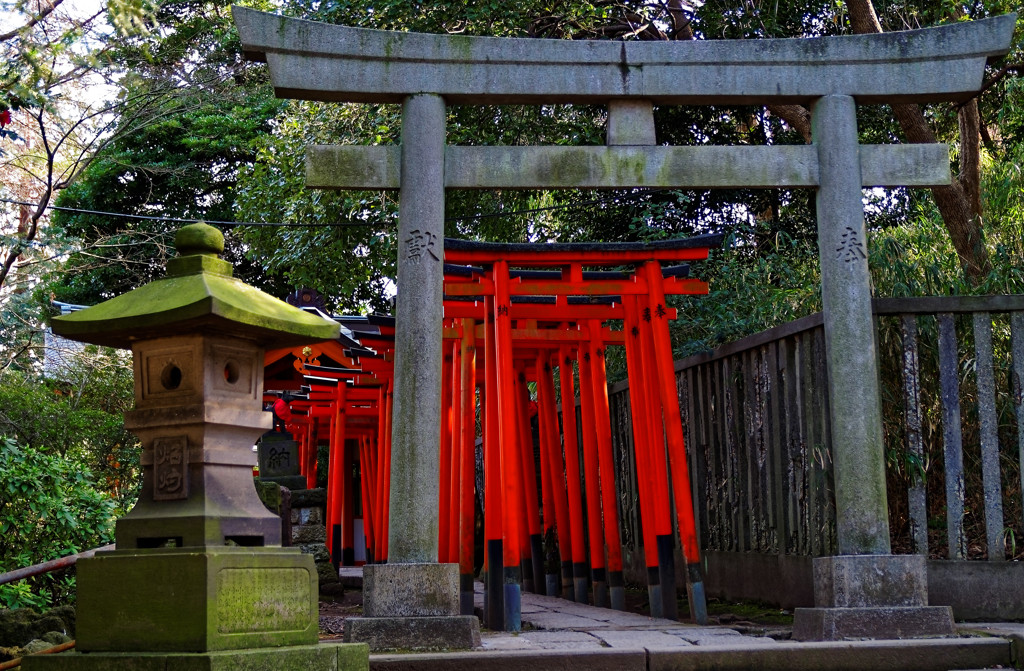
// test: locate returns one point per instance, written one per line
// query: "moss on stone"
(16, 626)
(571, 166)
(318, 550)
(55, 637)
(326, 573)
(308, 498)
(311, 533)
(198, 239)
(37, 645)
(199, 294)
(334, 657)
(270, 494)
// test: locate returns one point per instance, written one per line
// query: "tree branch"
(46, 11)
(1003, 71)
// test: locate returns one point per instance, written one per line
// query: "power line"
(177, 220)
(485, 215)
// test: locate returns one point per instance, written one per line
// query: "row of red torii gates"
(514, 315)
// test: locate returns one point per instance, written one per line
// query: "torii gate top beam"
(317, 61)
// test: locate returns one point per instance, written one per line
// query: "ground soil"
(334, 610)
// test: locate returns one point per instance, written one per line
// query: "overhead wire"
(484, 215)
(179, 220)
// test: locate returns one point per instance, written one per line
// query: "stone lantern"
(199, 570)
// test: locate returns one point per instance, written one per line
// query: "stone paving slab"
(717, 636)
(564, 621)
(568, 636)
(1015, 629)
(732, 641)
(543, 640)
(505, 641)
(908, 655)
(543, 637)
(648, 640)
(1012, 631)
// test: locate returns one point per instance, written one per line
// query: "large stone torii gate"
(831, 75)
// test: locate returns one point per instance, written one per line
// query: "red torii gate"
(339, 405)
(370, 378)
(502, 296)
(531, 322)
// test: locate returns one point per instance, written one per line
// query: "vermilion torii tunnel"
(518, 316)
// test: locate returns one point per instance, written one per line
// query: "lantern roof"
(199, 295)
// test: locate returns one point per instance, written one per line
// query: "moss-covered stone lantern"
(199, 568)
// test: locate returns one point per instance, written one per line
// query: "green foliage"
(486, 17)
(211, 111)
(49, 507)
(752, 287)
(78, 416)
(915, 257)
(352, 264)
(722, 19)
(67, 465)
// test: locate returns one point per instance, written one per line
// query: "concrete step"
(907, 655)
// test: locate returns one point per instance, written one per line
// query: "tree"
(55, 63)
(960, 202)
(321, 249)
(49, 507)
(183, 165)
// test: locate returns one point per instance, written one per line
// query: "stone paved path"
(565, 636)
(550, 623)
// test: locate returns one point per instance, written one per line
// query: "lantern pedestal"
(199, 581)
(189, 600)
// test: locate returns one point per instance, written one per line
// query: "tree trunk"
(960, 202)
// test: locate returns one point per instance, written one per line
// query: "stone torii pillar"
(413, 601)
(336, 63)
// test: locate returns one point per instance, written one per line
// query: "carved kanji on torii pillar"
(831, 75)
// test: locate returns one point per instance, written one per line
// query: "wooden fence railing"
(756, 413)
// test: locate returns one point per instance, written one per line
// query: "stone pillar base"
(192, 600)
(412, 607)
(453, 632)
(330, 657)
(410, 590)
(836, 624)
(871, 596)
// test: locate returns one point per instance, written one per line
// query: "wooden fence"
(756, 413)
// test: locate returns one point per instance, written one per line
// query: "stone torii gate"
(425, 73)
